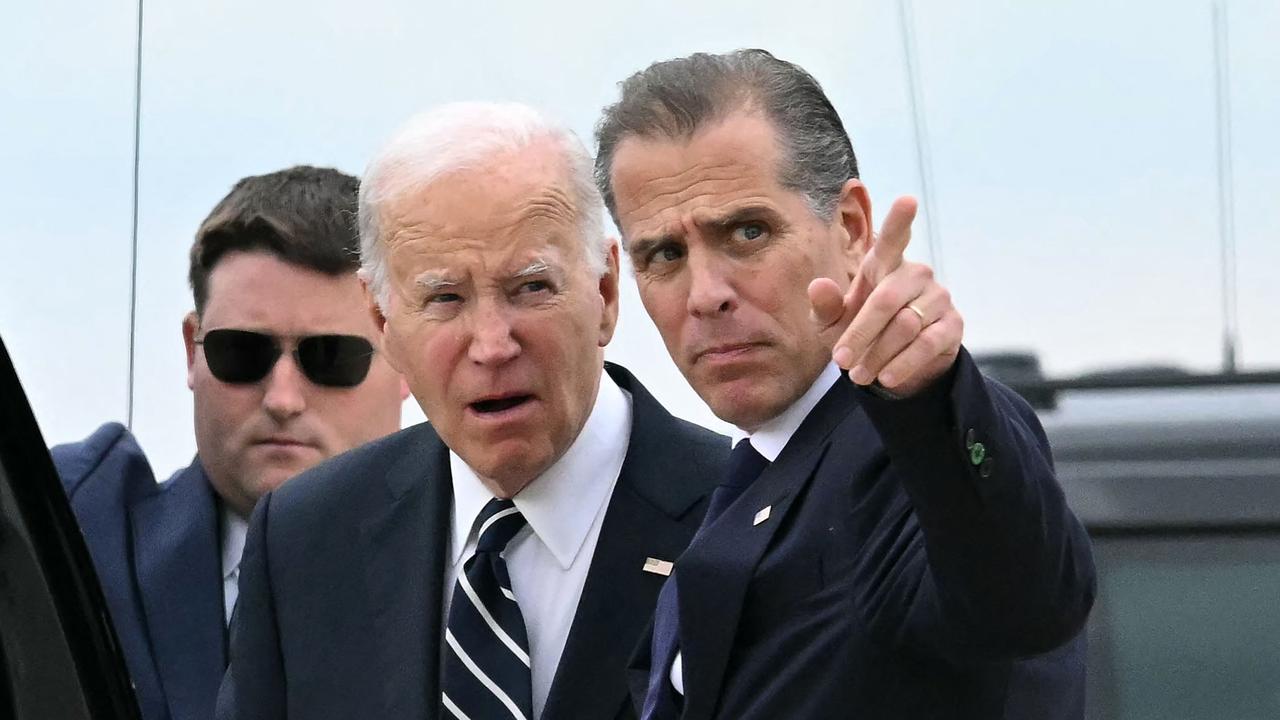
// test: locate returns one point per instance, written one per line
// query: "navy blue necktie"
(486, 667)
(662, 702)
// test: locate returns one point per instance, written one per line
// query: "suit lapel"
(403, 546)
(616, 603)
(639, 666)
(717, 569)
(648, 516)
(714, 575)
(179, 575)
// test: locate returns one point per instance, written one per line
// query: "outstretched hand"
(900, 327)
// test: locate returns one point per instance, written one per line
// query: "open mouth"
(497, 405)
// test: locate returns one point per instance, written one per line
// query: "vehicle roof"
(1195, 421)
(1161, 459)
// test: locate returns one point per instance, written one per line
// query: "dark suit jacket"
(157, 552)
(339, 613)
(893, 577)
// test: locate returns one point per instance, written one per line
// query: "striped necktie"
(486, 667)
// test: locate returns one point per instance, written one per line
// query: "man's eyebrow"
(536, 267)
(434, 280)
(740, 215)
(641, 247)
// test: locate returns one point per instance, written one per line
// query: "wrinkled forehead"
(508, 195)
(483, 225)
(657, 180)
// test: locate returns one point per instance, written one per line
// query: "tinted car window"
(1186, 628)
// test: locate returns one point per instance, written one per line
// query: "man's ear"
(853, 214)
(609, 294)
(190, 326)
(379, 323)
(371, 303)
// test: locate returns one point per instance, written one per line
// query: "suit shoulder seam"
(100, 458)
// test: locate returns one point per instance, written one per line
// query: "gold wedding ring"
(919, 314)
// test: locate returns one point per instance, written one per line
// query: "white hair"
(459, 136)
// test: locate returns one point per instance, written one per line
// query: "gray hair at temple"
(673, 99)
(459, 136)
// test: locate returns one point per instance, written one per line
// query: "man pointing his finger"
(890, 540)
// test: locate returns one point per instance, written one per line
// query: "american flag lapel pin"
(658, 567)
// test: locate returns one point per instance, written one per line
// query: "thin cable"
(1226, 199)
(924, 160)
(133, 260)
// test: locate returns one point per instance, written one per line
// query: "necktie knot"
(498, 521)
(745, 465)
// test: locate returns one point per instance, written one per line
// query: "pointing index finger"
(885, 254)
(884, 257)
(887, 251)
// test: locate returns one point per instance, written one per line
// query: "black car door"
(58, 653)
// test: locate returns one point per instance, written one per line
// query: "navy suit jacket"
(339, 613)
(893, 576)
(157, 552)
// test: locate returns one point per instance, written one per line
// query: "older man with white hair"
(502, 559)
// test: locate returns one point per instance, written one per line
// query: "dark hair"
(302, 215)
(675, 98)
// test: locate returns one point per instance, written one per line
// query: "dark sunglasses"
(244, 356)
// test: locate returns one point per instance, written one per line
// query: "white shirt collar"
(561, 503)
(773, 435)
(234, 530)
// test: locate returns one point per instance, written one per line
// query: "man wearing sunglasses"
(284, 374)
(501, 561)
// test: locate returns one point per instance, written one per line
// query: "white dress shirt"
(234, 530)
(768, 440)
(565, 507)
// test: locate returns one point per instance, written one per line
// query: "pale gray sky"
(1073, 148)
